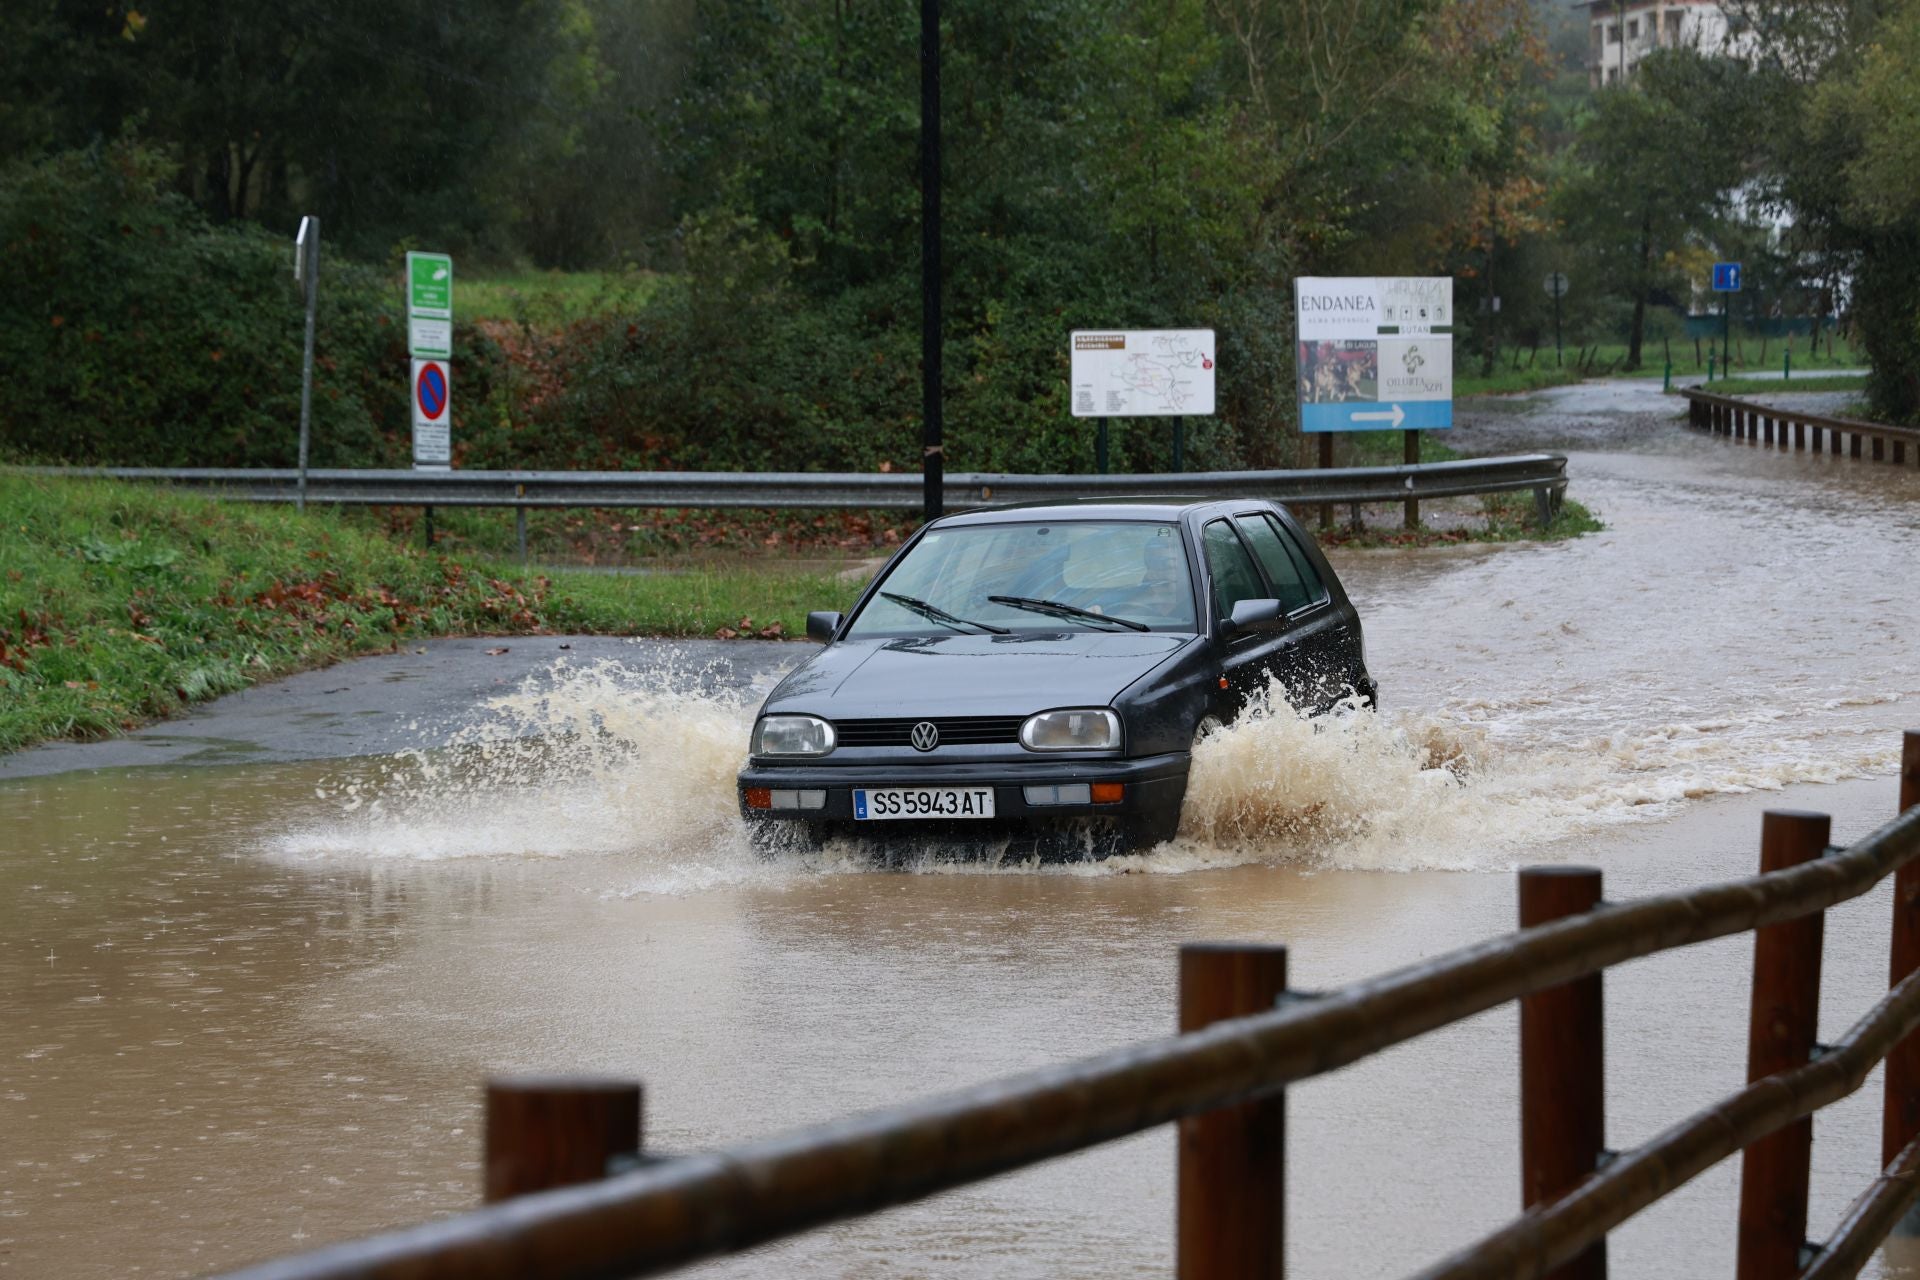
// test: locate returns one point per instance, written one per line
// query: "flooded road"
(245, 1009)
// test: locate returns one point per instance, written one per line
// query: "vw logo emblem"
(926, 736)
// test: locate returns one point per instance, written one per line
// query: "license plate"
(923, 802)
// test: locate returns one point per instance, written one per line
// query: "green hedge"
(132, 331)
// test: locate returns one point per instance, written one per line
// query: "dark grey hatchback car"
(1045, 670)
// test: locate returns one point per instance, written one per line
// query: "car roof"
(1131, 507)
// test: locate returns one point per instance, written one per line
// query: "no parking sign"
(432, 391)
(430, 343)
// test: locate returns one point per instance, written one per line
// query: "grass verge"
(1509, 518)
(552, 299)
(1505, 382)
(122, 603)
(1775, 386)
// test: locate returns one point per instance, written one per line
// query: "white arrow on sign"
(1396, 417)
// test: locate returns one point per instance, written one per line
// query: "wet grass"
(1505, 382)
(121, 604)
(1507, 518)
(551, 299)
(1776, 386)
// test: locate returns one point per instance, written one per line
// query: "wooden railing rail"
(1759, 424)
(659, 1216)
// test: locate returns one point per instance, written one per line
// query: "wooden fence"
(1760, 424)
(575, 1197)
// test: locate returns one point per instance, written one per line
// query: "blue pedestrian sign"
(1726, 277)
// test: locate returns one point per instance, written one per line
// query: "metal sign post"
(1726, 281)
(430, 381)
(306, 270)
(932, 455)
(430, 344)
(1556, 285)
(1142, 373)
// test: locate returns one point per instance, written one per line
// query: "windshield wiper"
(1060, 610)
(934, 613)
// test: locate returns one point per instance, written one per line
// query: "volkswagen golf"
(1042, 672)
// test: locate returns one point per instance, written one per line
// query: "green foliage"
(1145, 165)
(134, 332)
(121, 603)
(1654, 165)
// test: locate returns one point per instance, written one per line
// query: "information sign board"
(1375, 353)
(432, 418)
(430, 285)
(428, 338)
(1142, 373)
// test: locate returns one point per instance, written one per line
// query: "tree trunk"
(1493, 296)
(219, 184)
(1643, 286)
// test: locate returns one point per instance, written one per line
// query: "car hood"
(971, 675)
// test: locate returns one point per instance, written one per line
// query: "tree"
(1657, 163)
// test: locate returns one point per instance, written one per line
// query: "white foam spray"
(636, 767)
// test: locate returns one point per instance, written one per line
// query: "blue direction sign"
(1726, 277)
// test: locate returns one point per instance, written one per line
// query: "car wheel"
(1142, 831)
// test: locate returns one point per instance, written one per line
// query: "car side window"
(1291, 573)
(1234, 576)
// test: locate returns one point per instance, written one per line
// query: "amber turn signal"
(1109, 792)
(759, 798)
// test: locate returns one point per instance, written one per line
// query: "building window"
(1613, 33)
(1633, 29)
(1673, 23)
(1613, 75)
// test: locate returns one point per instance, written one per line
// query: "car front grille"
(955, 731)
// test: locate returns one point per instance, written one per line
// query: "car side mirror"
(821, 625)
(1255, 615)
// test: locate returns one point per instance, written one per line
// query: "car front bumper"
(1154, 784)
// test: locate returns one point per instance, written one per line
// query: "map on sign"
(1375, 353)
(1142, 373)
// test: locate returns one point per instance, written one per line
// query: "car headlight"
(1084, 729)
(792, 736)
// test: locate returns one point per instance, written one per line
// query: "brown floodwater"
(246, 1009)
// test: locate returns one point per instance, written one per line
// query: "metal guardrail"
(1245, 1038)
(1821, 433)
(1544, 474)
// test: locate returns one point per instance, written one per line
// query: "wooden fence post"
(1562, 1064)
(1901, 1116)
(545, 1132)
(1232, 1161)
(1781, 1034)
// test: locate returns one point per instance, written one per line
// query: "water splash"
(635, 767)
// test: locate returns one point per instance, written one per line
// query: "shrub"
(132, 331)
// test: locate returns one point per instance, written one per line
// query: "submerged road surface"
(248, 991)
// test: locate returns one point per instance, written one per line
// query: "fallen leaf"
(494, 653)
(566, 646)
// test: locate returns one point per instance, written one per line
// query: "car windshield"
(1097, 575)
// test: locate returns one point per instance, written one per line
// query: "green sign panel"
(430, 285)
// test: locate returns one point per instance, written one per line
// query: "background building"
(1622, 33)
